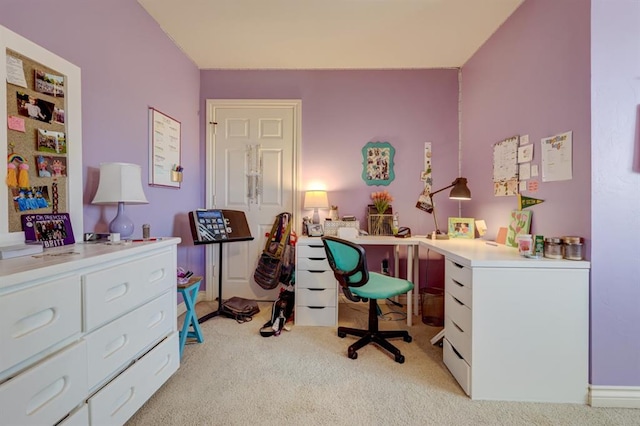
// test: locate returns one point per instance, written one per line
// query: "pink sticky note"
(16, 123)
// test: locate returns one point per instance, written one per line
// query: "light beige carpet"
(303, 377)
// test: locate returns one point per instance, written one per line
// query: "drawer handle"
(314, 271)
(166, 360)
(157, 275)
(156, 319)
(316, 289)
(317, 258)
(459, 302)
(457, 265)
(456, 352)
(115, 345)
(314, 246)
(122, 401)
(316, 307)
(34, 322)
(46, 395)
(457, 283)
(116, 292)
(457, 326)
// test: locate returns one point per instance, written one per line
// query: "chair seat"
(382, 286)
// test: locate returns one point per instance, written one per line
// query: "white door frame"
(211, 250)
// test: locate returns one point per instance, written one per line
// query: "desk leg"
(416, 278)
(410, 292)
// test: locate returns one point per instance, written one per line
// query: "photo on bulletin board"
(519, 223)
(461, 227)
(53, 230)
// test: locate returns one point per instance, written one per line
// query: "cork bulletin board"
(41, 136)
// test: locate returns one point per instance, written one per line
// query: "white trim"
(614, 396)
(211, 253)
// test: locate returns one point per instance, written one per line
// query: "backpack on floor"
(281, 312)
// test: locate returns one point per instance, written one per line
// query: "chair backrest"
(348, 262)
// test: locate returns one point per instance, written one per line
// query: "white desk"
(516, 329)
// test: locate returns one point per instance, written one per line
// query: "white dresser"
(516, 329)
(316, 286)
(88, 332)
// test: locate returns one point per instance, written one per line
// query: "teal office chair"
(349, 265)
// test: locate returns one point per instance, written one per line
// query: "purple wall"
(533, 76)
(343, 110)
(615, 114)
(128, 64)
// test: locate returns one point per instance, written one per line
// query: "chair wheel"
(342, 334)
(400, 359)
(354, 355)
(407, 339)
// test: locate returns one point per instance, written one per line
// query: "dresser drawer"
(316, 297)
(457, 365)
(458, 312)
(315, 279)
(112, 346)
(37, 318)
(459, 338)
(314, 250)
(458, 273)
(317, 316)
(312, 264)
(115, 403)
(47, 392)
(80, 417)
(113, 291)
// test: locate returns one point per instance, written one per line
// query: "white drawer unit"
(516, 329)
(84, 326)
(316, 286)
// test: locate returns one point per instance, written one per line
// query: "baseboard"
(614, 396)
(182, 308)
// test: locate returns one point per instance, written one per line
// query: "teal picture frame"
(377, 163)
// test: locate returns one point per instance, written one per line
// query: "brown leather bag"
(240, 309)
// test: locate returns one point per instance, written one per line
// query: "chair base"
(373, 335)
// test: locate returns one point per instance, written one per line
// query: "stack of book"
(21, 249)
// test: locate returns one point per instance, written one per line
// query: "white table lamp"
(120, 183)
(316, 200)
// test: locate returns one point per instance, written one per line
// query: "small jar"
(573, 248)
(525, 244)
(146, 231)
(553, 248)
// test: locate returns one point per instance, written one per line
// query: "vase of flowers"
(380, 223)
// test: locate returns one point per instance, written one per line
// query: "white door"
(252, 150)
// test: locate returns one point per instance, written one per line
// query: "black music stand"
(237, 229)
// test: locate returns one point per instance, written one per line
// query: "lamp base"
(438, 235)
(121, 224)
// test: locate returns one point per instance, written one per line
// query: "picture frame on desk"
(315, 230)
(461, 227)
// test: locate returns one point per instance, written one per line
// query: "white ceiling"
(329, 34)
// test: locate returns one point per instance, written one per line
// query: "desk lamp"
(460, 191)
(316, 200)
(120, 183)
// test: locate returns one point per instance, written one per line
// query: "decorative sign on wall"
(377, 164)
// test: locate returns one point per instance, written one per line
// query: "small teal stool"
(189, 293)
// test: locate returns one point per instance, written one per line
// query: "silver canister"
(146, 231)
(573, 248)
(553, 247)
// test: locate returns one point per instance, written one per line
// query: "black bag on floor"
(281, 312)
(240, 309)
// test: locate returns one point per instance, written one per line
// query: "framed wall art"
(377, 163)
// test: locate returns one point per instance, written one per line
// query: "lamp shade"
(316, 200)
(460, 190)
(120, 182)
